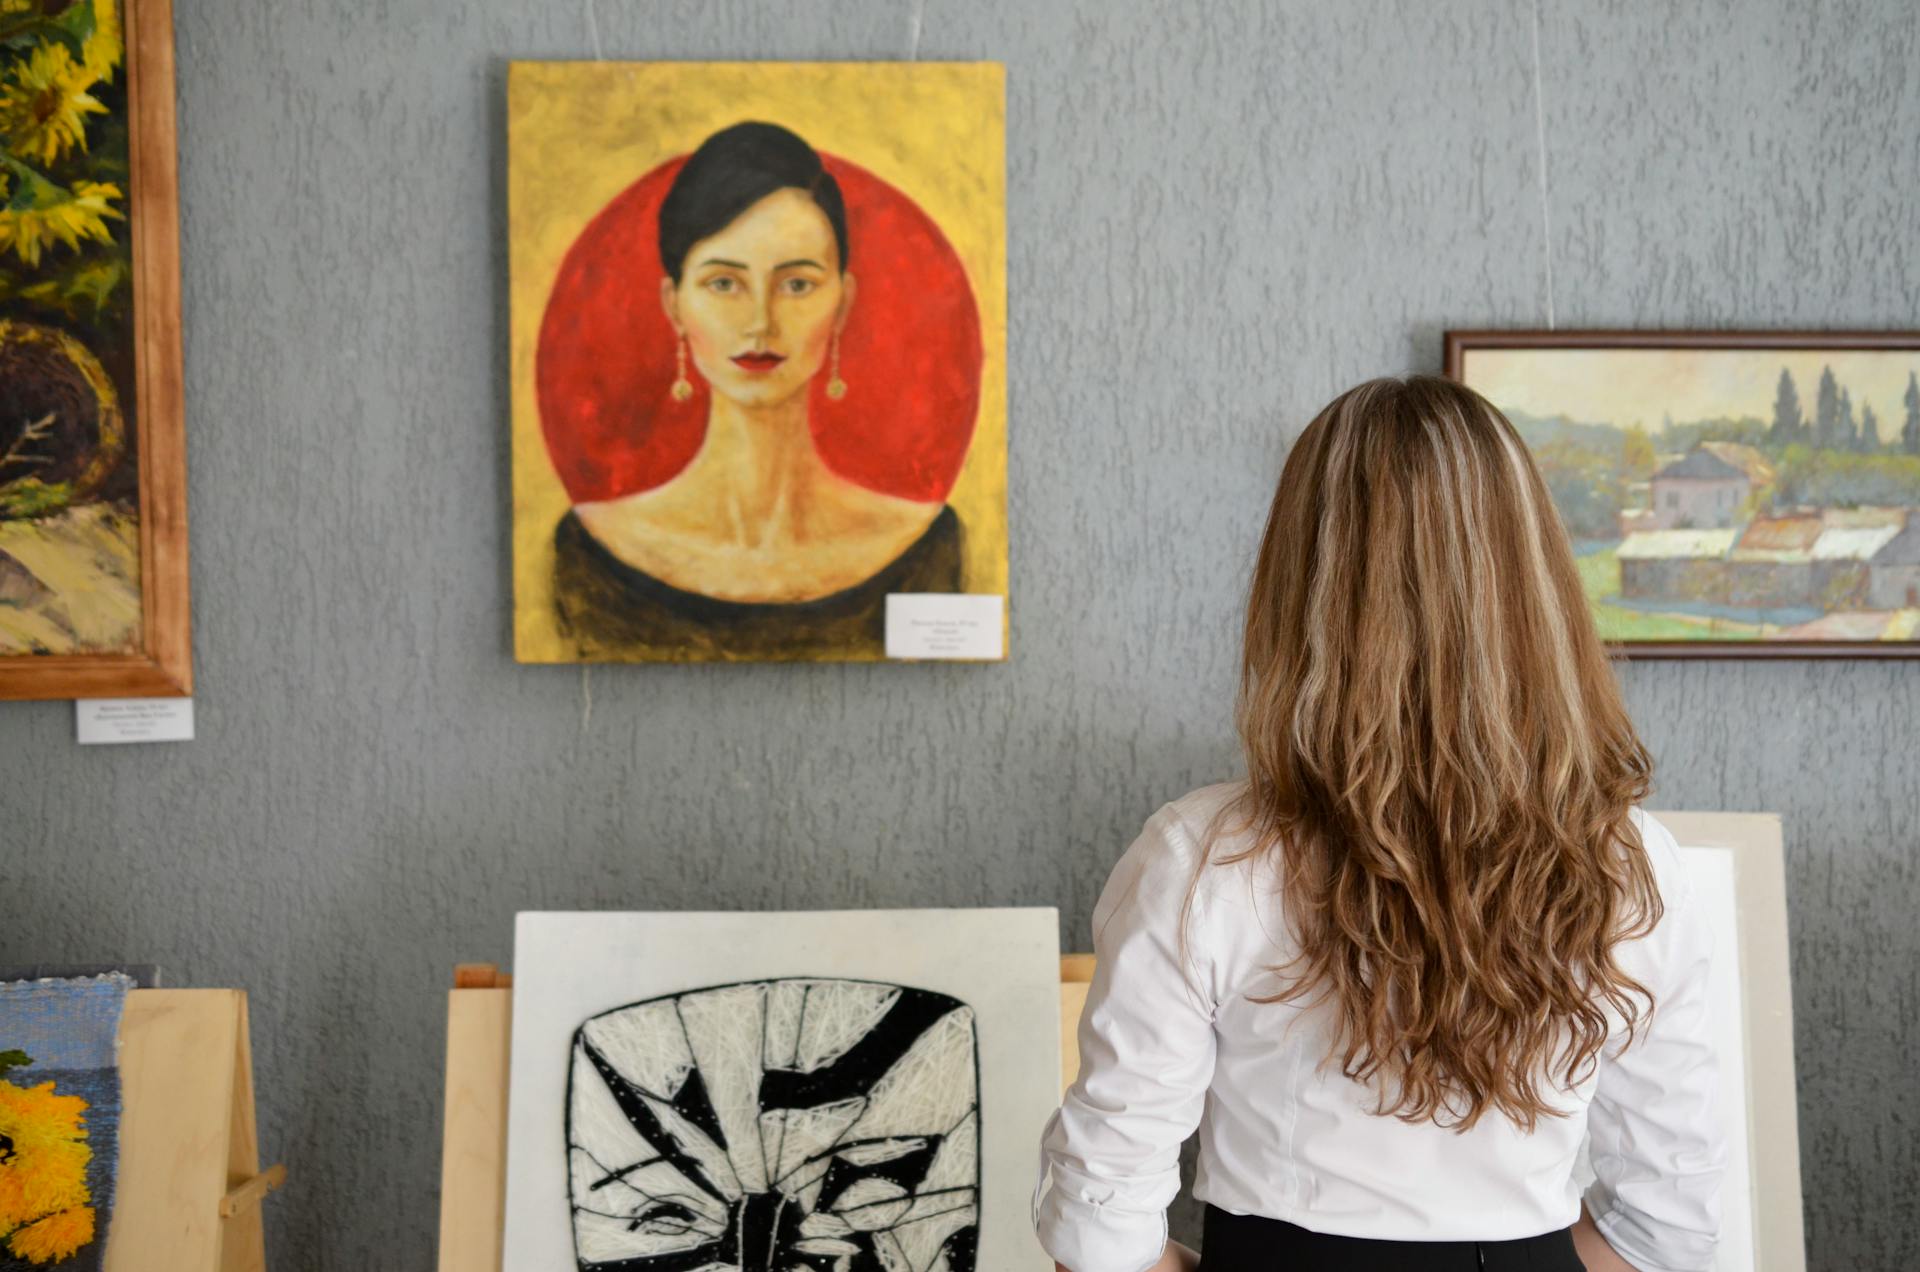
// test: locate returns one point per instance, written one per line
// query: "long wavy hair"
(1439, 761)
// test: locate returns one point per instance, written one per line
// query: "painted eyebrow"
(714, 260)
(791, 264)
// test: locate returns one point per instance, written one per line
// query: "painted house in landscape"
(1894, 578)
(1665, 564)
(1698, 491)
(1831, 559)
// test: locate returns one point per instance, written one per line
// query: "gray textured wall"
(1219, 214)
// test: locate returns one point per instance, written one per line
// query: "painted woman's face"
(759, 302)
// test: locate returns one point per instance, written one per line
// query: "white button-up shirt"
(1170, 1040)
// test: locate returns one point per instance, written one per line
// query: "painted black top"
(610, 610)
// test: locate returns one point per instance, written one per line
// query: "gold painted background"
(578, 133)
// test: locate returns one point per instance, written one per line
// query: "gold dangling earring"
(836, 387)
(682, 387)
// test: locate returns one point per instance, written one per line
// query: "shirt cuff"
(1636, 1241)
(1088, 1237)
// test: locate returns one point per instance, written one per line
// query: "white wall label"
(944, 625)
(134, 720)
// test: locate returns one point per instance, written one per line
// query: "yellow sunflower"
(101, 52)
(59, 1236)
(59, 216)
(44, 104)
(44, 1203)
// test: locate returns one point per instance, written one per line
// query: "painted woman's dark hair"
(733, 170)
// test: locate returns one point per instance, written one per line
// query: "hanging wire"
(593, 32)
(586, 669)
(1540, 137)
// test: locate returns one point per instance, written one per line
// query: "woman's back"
(1430, 943)
(1286, 1136)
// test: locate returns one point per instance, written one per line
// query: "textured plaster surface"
(1219, 215)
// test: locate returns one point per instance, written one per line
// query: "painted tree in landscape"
(1910, 433)
(1826, 411)
(1869, 429)
(1789, 425)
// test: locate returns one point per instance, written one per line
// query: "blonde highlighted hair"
(1439, 760)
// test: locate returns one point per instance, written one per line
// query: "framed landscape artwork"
(758, 354)
(1733, 494)
(93, 534)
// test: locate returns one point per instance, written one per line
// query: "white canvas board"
(1710, 870)
(745, 1088)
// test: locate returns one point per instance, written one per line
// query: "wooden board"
(186, 1135)
(473, 1164)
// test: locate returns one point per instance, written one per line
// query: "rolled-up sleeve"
(1657, 1138)
(1110, 1156)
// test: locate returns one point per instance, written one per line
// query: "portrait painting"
(828, 1092)
(93, 552)
(1745, 494)
(758, 354)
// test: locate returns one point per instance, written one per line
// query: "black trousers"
(1248, 1243)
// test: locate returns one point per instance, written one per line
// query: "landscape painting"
(1745, 494)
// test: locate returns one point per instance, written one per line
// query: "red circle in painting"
(910, 353)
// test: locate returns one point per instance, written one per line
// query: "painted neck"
(764, 461)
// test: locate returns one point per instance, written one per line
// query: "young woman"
(756, 548)
(1430, 945)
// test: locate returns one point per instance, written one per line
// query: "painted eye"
(800, 286)
(722, 285)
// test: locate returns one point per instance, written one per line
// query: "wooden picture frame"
(1813, 629)
(161, 665)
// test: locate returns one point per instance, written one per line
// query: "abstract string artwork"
(780, 1091)
(794, 1125)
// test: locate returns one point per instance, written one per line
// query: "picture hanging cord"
(1540, 137)
(913, 46)
(586, 669)
(593, 32)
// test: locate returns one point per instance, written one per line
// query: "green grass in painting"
(1616, 623)
(1599, 575)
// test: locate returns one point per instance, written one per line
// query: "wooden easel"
(189, 1185)
(473, 1163)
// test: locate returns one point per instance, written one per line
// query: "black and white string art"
(793, 1125)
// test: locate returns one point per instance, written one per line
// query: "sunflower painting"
(69, 514)
(59, 1119)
